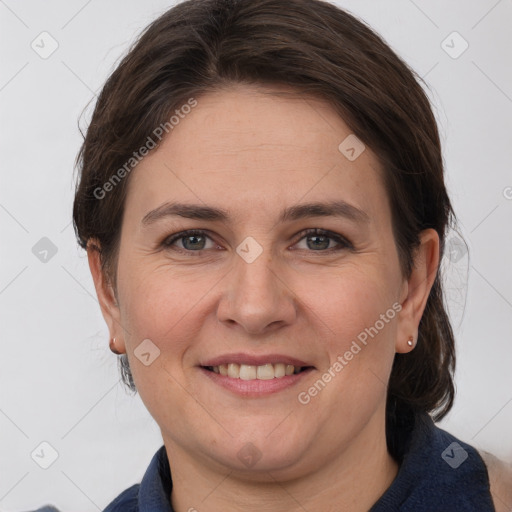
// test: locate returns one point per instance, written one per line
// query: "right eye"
(192, 240)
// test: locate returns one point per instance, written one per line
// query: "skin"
(500, 479)
(254, 151)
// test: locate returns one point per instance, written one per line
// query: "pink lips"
(255, 388)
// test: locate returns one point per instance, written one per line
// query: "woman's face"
(253, 288)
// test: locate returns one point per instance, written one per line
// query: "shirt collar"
(156, 485)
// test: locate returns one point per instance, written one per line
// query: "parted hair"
(200, 46)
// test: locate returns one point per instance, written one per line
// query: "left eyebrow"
(338, 208)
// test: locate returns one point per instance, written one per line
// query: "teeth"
(251, 372)
(234, 371)
(279, 370)
(248, 372)
(265, 372)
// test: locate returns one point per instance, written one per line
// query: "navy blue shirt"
(438, 473)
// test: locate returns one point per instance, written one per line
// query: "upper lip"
(254, 360)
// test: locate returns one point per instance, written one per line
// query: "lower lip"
(256, 387)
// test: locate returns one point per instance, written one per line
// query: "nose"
(257, 297)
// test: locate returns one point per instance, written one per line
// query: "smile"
(266, 371)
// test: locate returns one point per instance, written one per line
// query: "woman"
(262, 202)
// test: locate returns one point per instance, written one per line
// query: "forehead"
(248, 148)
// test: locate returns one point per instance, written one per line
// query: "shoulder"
(500, 478)
(127, 501)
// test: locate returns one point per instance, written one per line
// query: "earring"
(113, 346)
(410, 341)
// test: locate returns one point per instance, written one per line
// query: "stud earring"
(410, 341)
(113, 346)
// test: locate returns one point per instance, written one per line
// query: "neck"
(352, 481)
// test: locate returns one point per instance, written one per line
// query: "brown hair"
(313, 46)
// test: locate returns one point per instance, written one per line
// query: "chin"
(254, 464)
(267, 446)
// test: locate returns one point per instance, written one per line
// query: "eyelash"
(342, 241)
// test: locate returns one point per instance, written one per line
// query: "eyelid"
(170, 240)
(340, 239)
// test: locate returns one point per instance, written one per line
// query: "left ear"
(416, 289)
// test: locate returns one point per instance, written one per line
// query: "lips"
(250, 367)
(254, 360)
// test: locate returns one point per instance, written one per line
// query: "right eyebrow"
(189, 211)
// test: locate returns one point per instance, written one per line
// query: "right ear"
(106, 296)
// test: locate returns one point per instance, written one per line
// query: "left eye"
(318, 239)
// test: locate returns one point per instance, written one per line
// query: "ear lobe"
(105, 294)
(417, 288)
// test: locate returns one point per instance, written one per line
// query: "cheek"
(358, 324)
(164, 309)
(352, 302)
(359, 346)
(157, 301)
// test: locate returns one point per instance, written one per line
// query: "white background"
(59, 381)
